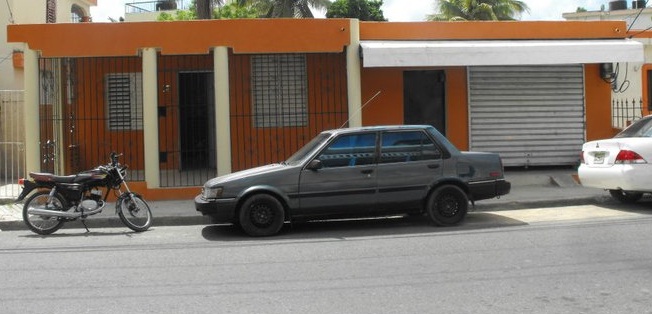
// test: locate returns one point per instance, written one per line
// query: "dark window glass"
(350, 150)
(406, 146)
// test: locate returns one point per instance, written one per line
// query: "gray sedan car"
(356, 172)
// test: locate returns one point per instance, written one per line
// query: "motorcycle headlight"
(213, 192)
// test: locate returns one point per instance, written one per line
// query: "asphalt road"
(580, 259)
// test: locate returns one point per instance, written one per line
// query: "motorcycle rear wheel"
(43, 224)
(135, 213)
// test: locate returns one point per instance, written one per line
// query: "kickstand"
(85, 226)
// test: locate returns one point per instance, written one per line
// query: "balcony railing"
(153, 6)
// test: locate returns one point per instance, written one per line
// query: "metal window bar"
(75, 117)
(325, 104)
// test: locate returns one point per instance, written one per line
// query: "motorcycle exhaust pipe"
(69, 215)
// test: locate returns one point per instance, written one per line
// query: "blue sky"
(401, 10)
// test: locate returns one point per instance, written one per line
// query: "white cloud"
(108, 8)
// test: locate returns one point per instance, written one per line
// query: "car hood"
(246, 174)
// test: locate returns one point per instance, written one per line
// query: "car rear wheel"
(447, 205)
(261, 215)
(625, 197)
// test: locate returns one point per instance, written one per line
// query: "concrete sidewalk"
(530, 189)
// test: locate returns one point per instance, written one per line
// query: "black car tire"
(261, 215)
(625, 197)
(447, 205)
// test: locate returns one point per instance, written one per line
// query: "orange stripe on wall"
(184, 37)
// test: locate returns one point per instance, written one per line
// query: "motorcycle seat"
(49, 177)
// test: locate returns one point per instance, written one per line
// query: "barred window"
(279, 90)
(51, 11)
(124, 99)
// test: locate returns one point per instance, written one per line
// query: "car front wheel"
(447, 205)
(261, 215)
(625, 197)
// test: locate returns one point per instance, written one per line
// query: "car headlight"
(214, 192)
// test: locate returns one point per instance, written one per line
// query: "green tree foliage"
(364, 10)
(580, 9)
(485, 10)
(290, 8)
(232, 9)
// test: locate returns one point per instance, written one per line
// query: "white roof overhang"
(498, 52)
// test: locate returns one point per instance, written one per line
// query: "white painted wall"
(26, 12)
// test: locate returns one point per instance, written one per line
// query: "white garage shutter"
(530, 115)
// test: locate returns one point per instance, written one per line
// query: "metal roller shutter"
(530, 115)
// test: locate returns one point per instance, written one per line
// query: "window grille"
(279, 88)
(51, 11)
(124, 99)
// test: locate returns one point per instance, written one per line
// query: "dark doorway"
(196, 120)
(424, 98)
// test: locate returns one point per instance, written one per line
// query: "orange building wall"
(327, 109)
(387, 107)
(597, 104)
(90, 135)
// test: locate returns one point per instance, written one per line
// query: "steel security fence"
(625, 111)
(12, 142)
(281, 101)
(186, 112)
(89, 107)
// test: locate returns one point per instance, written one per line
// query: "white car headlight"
(214, 192)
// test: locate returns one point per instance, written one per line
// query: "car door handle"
(433, 166)
(367, 171)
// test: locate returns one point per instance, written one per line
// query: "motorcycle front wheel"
(135, 213)
(42, 223)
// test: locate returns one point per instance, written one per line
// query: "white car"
(622, 164)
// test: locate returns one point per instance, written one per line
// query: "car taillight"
(629, 157)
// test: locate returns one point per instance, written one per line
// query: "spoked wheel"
(447, 205)
(626, 197)
(261, 215)
(39, 223)
(135, 213)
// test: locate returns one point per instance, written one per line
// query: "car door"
(345, 183)
(409, 162)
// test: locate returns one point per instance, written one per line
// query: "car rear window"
(640, 128)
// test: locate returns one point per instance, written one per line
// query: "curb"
(167, 221)
(113, 222)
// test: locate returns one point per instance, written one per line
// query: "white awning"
(498, 52)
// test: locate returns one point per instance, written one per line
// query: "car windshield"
(305, 151)
(640, 128)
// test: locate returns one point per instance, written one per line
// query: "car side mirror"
(314, 165)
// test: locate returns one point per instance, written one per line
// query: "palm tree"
(290, 8)
(204, 8)
(486, 10)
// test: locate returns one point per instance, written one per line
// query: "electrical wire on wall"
(11, 13)
(621, 87)
(616, 86)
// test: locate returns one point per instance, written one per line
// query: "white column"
(31, 113)
(150, 117)
(353, 77)
(222, 110)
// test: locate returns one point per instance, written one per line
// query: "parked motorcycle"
(59, 199)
